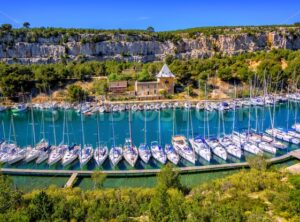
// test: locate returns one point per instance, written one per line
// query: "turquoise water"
(28, 183)
(218, 124)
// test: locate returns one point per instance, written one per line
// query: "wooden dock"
(71, 180)
(73, 174)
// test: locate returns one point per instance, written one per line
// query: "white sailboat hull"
(100, 157)
(115, 158)
(201, 149)
(267, 147)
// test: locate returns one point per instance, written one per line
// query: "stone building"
(117, 86)
(165, 81)
(146, 89)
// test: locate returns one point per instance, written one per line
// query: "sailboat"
(7, 146)
(296, 125)
(71, 154)
(86, 152)
(130, 151)
(101, 152)
(32, 153)
(181, 145)
(171, 153)
(144, 151)
(15, 154)
(58, 152)
(116, 152)
(156, 150)
(198, 142)
(226, 141)
(43, 146)
(215, 145)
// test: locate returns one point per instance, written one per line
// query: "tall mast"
(219, 124)
(145, 128)
(98, 132)
(174, 121)
(188, 123)
(191, 119)
(288, 113)
(32, 122)
(233, 122)
(3, 129)
(64, 126)
(13, 129)
(67, 131)
(249, 110)
(82, 130)
(130, 133)
(206, 111)
(159, 139)
(113, 129)
(43, 125)
(53, 123)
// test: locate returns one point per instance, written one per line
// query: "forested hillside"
(279, 68)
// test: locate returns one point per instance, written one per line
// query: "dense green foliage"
(76, 93)
(235, 69)
(250, 195)
(32, 34)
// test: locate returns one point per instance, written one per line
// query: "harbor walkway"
(71, 180)
(144, 172)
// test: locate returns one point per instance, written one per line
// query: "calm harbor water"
(180, 121)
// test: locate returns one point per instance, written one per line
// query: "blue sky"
(134, 14)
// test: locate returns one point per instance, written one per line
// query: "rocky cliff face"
(123, 47)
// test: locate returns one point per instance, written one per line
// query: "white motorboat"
(158, 153)
(172, 156)
(216, 148)
(187, 105)
(257, 101)
(70, 155)
(201, 148)
(115, 155)
(20, 108)
(100, 154)
(144, 153)
(2, 108)
(182, 147)
(199, 106)
(85, 155)
(130, 152)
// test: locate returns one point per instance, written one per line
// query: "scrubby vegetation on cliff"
(250, 195)
(147, 34)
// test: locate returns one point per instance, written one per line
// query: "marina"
(185, 134)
